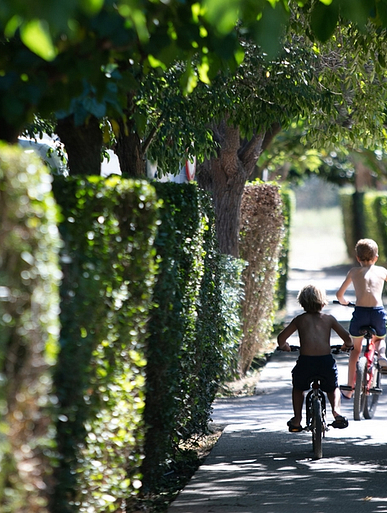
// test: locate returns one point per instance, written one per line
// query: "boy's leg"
(298, 401)
(334, 399)
(353, 358)
(380, 346)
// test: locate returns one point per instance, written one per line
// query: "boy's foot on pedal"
(340, 422)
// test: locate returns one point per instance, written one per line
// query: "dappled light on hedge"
(29, 307)
(108, 229)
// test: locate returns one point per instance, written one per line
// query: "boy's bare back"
(368, 282)
(314, 331)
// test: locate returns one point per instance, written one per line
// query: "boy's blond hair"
(312, 299)
(366, 250)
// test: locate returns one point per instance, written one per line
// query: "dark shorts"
(368, 316)
(307, 367)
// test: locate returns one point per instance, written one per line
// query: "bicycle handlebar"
(336, 349)
(351, 304)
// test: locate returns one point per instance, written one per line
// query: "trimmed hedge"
(262, 232)
(191, 348)
(365, 216)
(289, 205)
(108, 228)
(29, 299)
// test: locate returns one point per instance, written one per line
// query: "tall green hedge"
(190, 348)
(289, 204)
(108, 228)
(29, 299)
(364, 216)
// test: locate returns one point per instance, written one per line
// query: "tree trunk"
(8, 133)
(130, 153)
(225, 177)
(83, 145)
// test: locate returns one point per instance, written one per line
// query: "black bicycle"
(315, 416)
(315, 404)
(368, 377)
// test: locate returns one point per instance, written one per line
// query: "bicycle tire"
(317, 428)
(371, 400)
(360, 388)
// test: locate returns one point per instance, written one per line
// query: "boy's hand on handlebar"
(285, 347)
(346, 349)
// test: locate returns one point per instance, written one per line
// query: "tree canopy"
(50, 48)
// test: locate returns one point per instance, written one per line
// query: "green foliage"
(372, 207)
(191, 349)
(288, 202)
(108, 228)
(29, 301)
(261, 234)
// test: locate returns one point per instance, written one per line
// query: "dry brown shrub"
(262, 230)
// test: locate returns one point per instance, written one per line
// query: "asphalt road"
(257, 466)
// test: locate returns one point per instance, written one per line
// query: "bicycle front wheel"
(371, 400)
(360, 388)
(317, 428)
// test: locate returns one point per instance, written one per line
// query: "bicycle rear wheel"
(360, 388)
(317, 428)
(372, 399)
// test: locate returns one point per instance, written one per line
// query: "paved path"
(257, 466)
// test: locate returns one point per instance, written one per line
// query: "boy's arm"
(340, 293)
(285, 334)
(343, 334)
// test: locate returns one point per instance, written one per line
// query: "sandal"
(340, 422)
(293, 428)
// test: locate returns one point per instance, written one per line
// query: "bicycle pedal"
(376, 391)
(348, 388)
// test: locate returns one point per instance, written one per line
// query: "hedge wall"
(365, 216)
(191, 346)
(262, 232)
(288, 208)
(108, 228)
(29, 275)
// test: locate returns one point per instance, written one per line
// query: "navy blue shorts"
(368, 316)
(307, 367)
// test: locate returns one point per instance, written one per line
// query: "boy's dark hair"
(366, 250)
(312, 299)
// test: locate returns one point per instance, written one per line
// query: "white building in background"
(186, 174)
(47, 150)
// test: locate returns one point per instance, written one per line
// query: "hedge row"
(262, 231)
(29, 276)
(193, 332)
(365, 216)
(150, 325)
(108, 228)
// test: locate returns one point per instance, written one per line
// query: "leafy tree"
(109, 60)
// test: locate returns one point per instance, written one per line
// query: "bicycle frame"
(369, 353)
(367, 386)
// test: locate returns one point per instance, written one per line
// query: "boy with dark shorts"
(314, 331)
(368, 281)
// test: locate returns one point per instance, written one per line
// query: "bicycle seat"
(367, 329)
(316, 381)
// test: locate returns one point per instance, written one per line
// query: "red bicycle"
(368, 376)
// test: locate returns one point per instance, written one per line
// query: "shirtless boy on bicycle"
(368, 281)
(314, 331)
